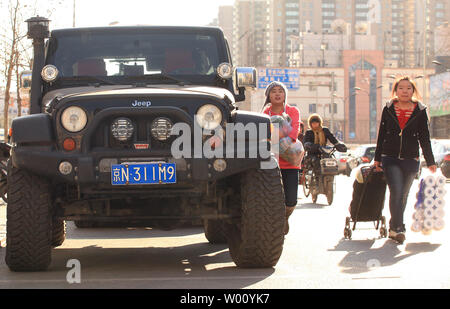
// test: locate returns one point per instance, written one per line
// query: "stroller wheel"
(347, 233)
(383, 232)
(347, 222)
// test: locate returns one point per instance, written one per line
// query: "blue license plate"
(143, 173)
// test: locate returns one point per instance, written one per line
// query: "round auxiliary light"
(225, 70)
(161, 128)
(49, 73)
(209, 116)
(122, 129)
(220, 165)
(74, 119)
(65, 168)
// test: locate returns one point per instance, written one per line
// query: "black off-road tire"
(215, 231)
(256, 240)
(330, 190)
(314, 197)
(58, 232)
(330, 197)
(29, 221)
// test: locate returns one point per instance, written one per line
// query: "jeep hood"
(126, 90)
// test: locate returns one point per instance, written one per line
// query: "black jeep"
(141, 123)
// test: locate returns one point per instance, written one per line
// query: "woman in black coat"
(404, 125)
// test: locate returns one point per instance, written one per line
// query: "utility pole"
(332, 102)
(73, 24)
(353, 24)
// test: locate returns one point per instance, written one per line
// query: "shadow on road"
(361, 257)
(198, 265)
(124, 231)
(311, 206)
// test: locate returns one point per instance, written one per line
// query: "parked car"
(365, 153)
(346, 162)
(441, 148)
(445, 165)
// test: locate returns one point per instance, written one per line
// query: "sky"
(137, 12)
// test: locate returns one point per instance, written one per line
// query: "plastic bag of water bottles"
(289, 150)
(429, 208)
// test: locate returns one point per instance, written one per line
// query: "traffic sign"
(289, 77)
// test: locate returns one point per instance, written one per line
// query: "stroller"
(369, 189)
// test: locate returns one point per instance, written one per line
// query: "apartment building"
(225, 22)
(406, 29)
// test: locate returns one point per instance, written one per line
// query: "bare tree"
(15, 49)
(9, 64)
(19, 99)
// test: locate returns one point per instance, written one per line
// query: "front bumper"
(95, 168)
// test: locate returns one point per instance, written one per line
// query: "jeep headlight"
(74, 119)
(209, 116)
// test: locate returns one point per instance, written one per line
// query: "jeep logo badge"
(137, 103)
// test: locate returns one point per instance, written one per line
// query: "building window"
(312, 108)
(362, 6)
(292, 5)
(292, 13)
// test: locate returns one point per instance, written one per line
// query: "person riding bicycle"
(316, 137)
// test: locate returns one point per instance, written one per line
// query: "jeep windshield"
(127, 55)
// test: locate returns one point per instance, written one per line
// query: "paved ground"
(315, 255)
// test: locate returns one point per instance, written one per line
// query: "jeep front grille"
(99, 136)
(117, 133)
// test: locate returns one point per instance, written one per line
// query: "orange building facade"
(363, 96)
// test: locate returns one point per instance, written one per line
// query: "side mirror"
(245, 77)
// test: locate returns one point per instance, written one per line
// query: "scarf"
(319, 137)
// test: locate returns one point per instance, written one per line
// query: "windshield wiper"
(135, 80)
(97, 80)
(159, 76)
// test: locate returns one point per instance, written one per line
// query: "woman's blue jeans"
(399, 175)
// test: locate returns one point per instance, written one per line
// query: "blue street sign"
(289, 77)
